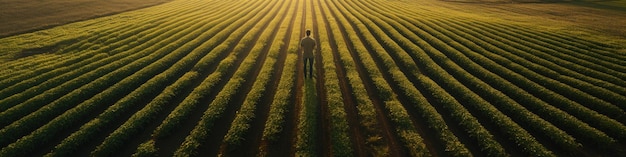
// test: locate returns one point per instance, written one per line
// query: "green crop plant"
(141, 118)
(398, 114)
(219, 104)
(182, 111)
(241, 123)
(393, 78)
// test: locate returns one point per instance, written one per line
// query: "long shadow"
(309, 129)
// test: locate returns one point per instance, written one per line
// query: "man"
(308, 45)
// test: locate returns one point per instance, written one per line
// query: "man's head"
(308, 32)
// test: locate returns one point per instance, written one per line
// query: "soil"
(19, 17)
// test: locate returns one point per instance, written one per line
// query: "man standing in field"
(308, 45)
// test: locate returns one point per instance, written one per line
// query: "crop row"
(340, 140)
(447, 85)
(365, 107)
(53, 78)
(242, 122)
(470, 99)
(97, 73)
(530, 100)
(284, 91)
(13, 85)
(487, 91)
(558, 117)
(457, 111)
(76, 74)
(585, 130)
(69, 118)
(183, 110)
(572, 93)
(593, 118)
(590, 55)
(440, 36)
(398, 114)
(562, 39)
(19, 92)
(307, 137)
(412, 8)
(556, 53)
(61, 100)
(598, 92)
(603, 73)
(497, 98)
(217, 107)
(152, 87)
(25, 65)
(141, 118)
(191, 102)
(482, 30)
(447, 49)
(105, 32)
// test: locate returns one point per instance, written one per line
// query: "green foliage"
(62, 104)
(558, 117)
(307, 139)
(146, 149)
(17, 85)
(199, 134)
(141, 118)
(67, 94)
(278, 108)
(151, 87)
(491, 80)
(453, 146)
(190, 103)
(24, 90)
(241, 123)
(365, 107)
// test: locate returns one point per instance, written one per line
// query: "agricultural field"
(391, 78)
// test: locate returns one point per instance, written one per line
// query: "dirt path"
(289, 140)
(324, 119)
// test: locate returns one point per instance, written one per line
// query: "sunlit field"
(391, 78)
